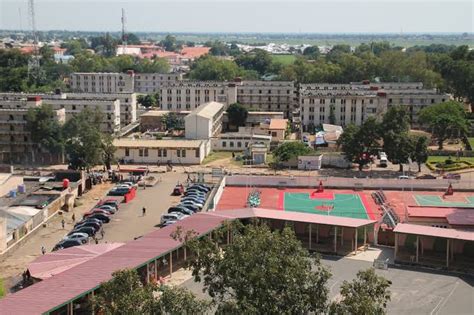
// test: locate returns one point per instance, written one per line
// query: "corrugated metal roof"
(179, 143)
(434, 231)
(74, 282)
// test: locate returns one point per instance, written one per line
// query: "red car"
(95, 211)
(110, 202)
(178, 190)
(452, 176)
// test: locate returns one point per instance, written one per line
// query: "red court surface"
(272, 198)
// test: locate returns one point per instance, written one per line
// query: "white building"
(102, 82)
(149, 83)
(238, 141)
(162, 151)
(205, 121)
(187, 95)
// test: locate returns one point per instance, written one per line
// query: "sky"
(298, 16)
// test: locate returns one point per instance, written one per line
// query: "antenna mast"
(124, 32)
(33, 64)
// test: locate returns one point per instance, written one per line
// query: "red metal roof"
(81, 279)
(414, 229)
(454, 216)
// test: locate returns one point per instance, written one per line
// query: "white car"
(175, 216)
(192, 202)
(81, 237)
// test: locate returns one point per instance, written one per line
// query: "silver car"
(81, 237)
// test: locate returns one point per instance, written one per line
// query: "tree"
(259, 272)
(170, 43)
(445, 120)
(258, 60)
(173, 121)
(84, 145)
(396, 141)
(237, 114)
(211, 68)
(311, 52)
(368, 294)
(148, 100)
(288, 150)
(45, 129)
(177, 300)
(108, 150)
(359, 143)
(420, 154)
(132, 39)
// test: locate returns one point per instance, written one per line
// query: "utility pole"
(124, 32)
(20, 19)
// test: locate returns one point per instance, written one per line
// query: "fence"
(453, 154)
(334, 182)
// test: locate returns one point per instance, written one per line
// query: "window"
(196, 153)
(127, 152)
(162, 153)
(73, 107)
(274, 134)
(224, 144)
(12, 128)
(178, 153)
(145, 152)
(183, 153)
(140, 152)
(239, 144)
(25, 138)
(231, 144)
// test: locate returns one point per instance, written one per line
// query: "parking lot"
(413, 292)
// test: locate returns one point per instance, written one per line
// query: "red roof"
(434, 231)
(78, 280)
(454, 216)
(194, 52)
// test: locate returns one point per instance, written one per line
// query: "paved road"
(412, 292)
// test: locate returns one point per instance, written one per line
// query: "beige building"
(188, 95)
(254, 119)
(150, 83)
(15, 140)
(162, 151)
(102, 82)
(271, 96)
(238, 141)
(205, 121)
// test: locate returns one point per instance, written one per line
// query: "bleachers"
(389, 217)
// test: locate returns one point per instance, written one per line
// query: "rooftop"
(207, 110)
(159, 113)
(141, 143)
(278, 124)
(434, 231)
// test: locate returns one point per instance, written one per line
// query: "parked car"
(82, 237)
(195, 202)
(89, 220)
(189, 206)
(178, 190)
(181, 210)
(426, 176)
(194, 193)
(168, 223)
(198, 188)
(107, 208)
(203, 186)
(96, 226)
(452, 176)
(405, 177)
(89, 230)
(104, 218)
(129, 184)
(96, 211)
(171, 217)
(110, 202)
(66, 244)
(119, 191)
(196, 198)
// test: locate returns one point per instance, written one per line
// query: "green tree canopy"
(311, 52)
(445, 120)
(258, 60)
(170, 43)
(148, 100)
(237, 114)
(45, 129)
(292, 149)
(420, 153)
(173, 121)
(211, 68)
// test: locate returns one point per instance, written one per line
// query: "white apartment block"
(150, 83)
(354, 103)
(188, 95)
(102, 82)
(271, 96)
(128, 103)
(205, 121)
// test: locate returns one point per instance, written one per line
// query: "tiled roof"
(278, 124)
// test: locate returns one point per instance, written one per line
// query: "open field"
(284, 59)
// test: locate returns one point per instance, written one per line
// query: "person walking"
(102, 232)
(73, 218)
(63, 223)
(43, 250)
(143, 211)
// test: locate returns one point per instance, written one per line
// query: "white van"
(383, 161)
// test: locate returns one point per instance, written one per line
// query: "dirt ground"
(16, 261)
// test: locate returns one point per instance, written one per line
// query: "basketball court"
(437, 201)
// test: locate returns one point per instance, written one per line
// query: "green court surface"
(343, 205)
(437, 201)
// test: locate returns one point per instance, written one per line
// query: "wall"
(153, 158)
(10, 183)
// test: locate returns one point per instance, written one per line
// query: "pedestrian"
(43, 250)
(143, 211)
(63, 223)
(73, 218)
(96, 240)
(102, 232)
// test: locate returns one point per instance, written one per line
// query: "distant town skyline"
(230, 16)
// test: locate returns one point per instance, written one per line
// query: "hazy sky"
(310, 16)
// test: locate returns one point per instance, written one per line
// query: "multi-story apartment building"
(109, 107)
(15, 139)
(271, 96)
(102, 82)
(355, 102)
(128, 103)
(205, 121)
(150, 83)
(188, 95)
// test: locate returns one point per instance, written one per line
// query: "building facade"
(152, 120)
(188, 95)
(271, 96)
(162, 151)
(102, 82)
(150, 83)
(238, 141)
(205, 121)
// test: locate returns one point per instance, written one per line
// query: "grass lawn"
(218, 155)
(444, 158)
(284, 59)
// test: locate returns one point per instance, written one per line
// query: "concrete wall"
(10, 183)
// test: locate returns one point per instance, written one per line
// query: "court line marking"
(444, 300)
